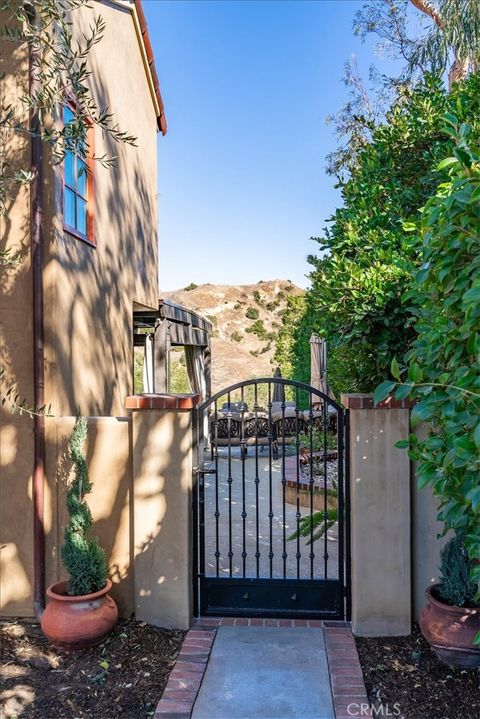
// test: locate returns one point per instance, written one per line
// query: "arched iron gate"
(271, 502)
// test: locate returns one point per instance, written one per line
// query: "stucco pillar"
(380, 517)
(162, 508)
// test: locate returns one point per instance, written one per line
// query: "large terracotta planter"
(450, 631)
(78, 622)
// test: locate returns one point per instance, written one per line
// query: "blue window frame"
(77, 186)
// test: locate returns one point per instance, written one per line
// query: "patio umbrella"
(278, 389)
(318, 365)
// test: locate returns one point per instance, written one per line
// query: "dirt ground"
(402, 674)
(123, 678)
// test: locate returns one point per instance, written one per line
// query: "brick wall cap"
(359, 400)
(162, 401)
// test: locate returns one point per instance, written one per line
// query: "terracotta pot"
(450, 631)
(78, 622)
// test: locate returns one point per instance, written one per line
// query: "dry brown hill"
(245, 319)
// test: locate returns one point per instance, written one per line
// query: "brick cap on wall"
(365, 401)
(162, 401)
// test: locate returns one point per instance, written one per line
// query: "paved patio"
(327, 545)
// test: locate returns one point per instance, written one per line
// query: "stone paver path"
(266, 673)
(239, 668)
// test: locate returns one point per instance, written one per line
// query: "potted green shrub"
(80, 612)
(451, 618)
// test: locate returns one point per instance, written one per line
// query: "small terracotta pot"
(72, 622)
(450, 631)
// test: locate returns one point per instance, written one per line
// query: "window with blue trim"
(77, 186)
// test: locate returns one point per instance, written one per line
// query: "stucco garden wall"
(16, 358)
(89, 297)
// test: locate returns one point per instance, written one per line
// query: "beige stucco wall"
(380, 523)
(162, 470)
(110, 468)
(90, 294)
(16, 439)
(109, 461)
(426, 545)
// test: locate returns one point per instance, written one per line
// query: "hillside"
(245, 321)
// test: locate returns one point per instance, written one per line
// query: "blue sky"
(247, 86)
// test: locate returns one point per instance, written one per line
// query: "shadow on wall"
(89, 296)
(162, 467)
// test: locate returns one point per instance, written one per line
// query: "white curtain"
(148, 364)
(196, 370)
(196, 374)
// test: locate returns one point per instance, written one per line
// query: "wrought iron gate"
(271, 502)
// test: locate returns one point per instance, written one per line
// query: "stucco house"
(68, 327)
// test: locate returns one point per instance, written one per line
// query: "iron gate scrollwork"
(271, 502)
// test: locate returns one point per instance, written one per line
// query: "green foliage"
(442, 370)
(456, 586)
(317, 442)
(60, 62)
(366, 260)
(272, 306)
(257, 297)
(82, 556)
(236, 336)
(178, 381)
(258, 329)
(190, 287)
(10, 396)
(252, 313)
(138, 362)
(315, 523)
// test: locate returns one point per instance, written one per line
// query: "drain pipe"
(36, 209)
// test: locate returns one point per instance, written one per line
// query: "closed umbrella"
(318, 364)
(278, 388)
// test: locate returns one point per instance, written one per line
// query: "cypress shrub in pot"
(451, 619)
(80, 612)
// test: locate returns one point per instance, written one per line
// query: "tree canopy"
(365, 259)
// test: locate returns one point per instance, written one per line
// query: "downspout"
(36, 208)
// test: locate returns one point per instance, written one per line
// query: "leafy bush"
(318, 440)
(456, 586)
(257, 297)
(258, 328)
(236, 336)
(82, 556)
(443, 367)
(365, 261)
(252, 313)
(272, 306)
(190, 287)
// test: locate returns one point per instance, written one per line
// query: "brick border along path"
(346, 678)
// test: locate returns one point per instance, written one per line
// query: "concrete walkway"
(257, 672)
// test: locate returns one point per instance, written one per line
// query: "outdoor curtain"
(196, 370)
(196, 374)
(148, 364)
